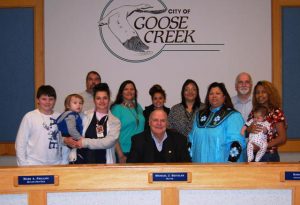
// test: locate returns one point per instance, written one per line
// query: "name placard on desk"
(291, 176)
(170, 177)
(36, 180)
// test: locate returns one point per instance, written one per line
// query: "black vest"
(88, 156)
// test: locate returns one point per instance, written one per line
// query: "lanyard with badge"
(100, 128)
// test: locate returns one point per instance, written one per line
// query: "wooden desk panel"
(135, 177)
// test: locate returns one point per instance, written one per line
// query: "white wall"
(73, 46)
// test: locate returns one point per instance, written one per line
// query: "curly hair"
(157, 89)
(274, 100)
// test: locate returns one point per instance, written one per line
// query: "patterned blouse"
(181, 120)
(273, 117)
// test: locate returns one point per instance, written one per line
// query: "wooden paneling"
(276, 46)
(7, 149)
(290, 146)
(37, 198)
(170, 196)
(135, 177)
(277, 58)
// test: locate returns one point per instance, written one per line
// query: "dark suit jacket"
(175, 148)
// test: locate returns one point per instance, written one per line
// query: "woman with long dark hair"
(181, 115)
(215, 136)
(127, 109)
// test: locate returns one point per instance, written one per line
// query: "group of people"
(92, 129)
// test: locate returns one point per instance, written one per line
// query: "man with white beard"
(243, 100)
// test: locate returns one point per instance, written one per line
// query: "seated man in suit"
(158, 144)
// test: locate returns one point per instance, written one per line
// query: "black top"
(88, 156)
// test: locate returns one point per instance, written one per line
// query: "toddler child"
(70, 122)
(259, 139)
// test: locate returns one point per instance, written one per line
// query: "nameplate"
(170, 177)
(292, 176)
(36, 180)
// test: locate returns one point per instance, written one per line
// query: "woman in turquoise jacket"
(215, 136)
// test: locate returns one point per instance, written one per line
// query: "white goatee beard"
(244, 91)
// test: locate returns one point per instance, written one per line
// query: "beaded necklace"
(134, 113)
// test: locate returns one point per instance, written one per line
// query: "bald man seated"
(158, 144)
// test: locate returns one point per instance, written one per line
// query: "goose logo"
(139, 31)
(129, 31)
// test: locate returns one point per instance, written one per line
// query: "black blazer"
(175, 148)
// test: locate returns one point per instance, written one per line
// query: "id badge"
(100, 135)
(100, 131)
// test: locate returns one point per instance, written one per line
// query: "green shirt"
(132, 123)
